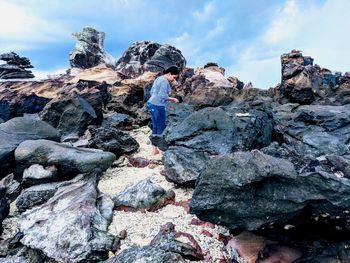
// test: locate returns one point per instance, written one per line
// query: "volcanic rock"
(89, 51)
(15, 67)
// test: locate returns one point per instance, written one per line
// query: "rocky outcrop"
(207, 87)
(17, 130)
(149, 56)
(68, 160)
(14, 104)
(257, 190)
(80, 214)
(16, 67)
(89, 51)
(77, 107)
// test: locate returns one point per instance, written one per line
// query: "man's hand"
(174, 100)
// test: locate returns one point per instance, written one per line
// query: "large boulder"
(251, 190)
(17, 130)
(68, 160)
(89, 51)
(222, 130)
(151, 56)
(72, 225)
(16, 67)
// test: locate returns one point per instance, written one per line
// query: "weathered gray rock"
(112, 140)
(89, 51)
(15, 67)
(182, 165)
(148, 55)
(72, 225)
(144, 195)
(39, 194)
(37, 174)
(12, 186)
(251, 190)
(68, 160)
(182, 243)
(17, 130)
(4, 206)
(146, 254)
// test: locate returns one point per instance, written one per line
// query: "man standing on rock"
(160, 92)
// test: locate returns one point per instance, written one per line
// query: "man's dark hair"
(173, 70)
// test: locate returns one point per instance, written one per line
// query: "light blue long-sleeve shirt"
(160, 91)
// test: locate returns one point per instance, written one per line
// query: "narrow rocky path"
(141, 227)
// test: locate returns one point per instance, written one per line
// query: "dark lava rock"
(69, 160)
(17, 130)
(112, 140)
(251, 190)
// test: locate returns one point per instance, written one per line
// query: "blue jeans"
(158, 117)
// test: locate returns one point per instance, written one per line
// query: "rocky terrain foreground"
(246, 175)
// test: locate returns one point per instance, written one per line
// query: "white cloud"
(217, 30)
(44, 74)
(205, 14)
(21, 28)
(320, 31)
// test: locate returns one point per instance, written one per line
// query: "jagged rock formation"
(148, 55)
(89, 51)
(16, 67)
(82, 219)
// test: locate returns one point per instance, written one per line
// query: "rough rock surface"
(207, 87)
(17, 130)
(183, 165)
(16, 67)
(89, 51)
(112, 140)
(15, 104)
(144, 195)
(39, 194)
(77, 212)
(68, 160)
(77, 107)
(251, 190)
(147, 55)
(37, 174)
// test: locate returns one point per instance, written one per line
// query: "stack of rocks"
(15, 68)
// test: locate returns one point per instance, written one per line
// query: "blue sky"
(245, 37)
